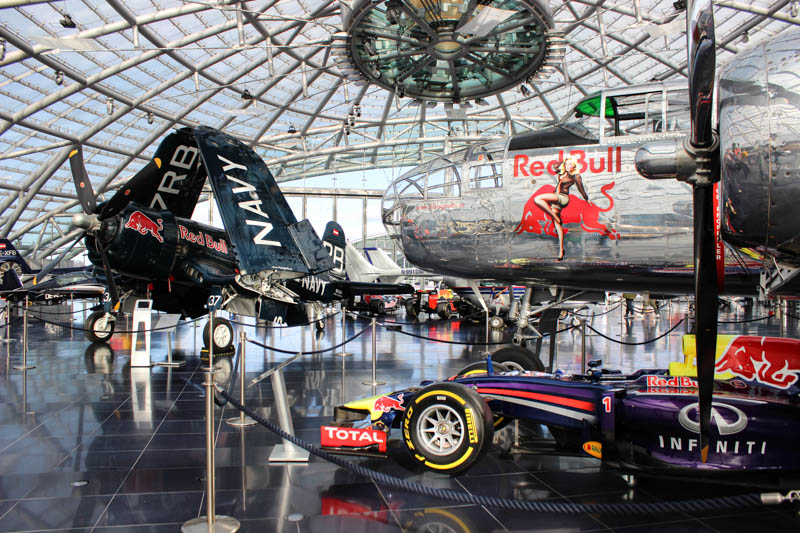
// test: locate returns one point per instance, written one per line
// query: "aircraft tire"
(94, 332)
(223, 335)
(440, 415)
(517, 358)
(497, 322)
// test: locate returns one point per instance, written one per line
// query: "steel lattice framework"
(116, 76)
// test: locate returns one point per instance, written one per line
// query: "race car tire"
(94, 332)
(411, 310)
(518, 358)
(447, 428)
(223, 335)
(444, 311)
(479, 367)
(496, 322)
(377, 306)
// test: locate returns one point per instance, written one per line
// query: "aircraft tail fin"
(259, 221)
(359, 269)
(8, 253)
(335, 243)
(381, 259)
(177, 177)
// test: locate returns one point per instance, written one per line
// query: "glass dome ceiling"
(117, 76)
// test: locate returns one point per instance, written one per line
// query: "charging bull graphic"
(577, 211)
(142, 223)
(387, 403)
(768, 360)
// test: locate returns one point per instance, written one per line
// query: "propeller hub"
(86, 222)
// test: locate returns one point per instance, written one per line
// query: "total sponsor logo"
(593, 163)
(202, 239)
(352, 437)
(140, 222)
(727, 419)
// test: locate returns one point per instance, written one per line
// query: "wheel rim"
(102, 331)
(513, 365)
(222, 335)
(441, 430)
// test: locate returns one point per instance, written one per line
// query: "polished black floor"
(88, 443)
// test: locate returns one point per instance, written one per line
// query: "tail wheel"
(447, 428)
(98, 330)
(223, 335)
(320, 324)
(496, 322)
(518, 358)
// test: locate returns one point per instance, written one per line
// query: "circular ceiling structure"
(446, 51)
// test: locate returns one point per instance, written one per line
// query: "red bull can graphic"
(140, 222)
(770, 361)
(387, 403)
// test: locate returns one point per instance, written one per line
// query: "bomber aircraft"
(265, 264)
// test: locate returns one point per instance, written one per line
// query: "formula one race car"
(644, 422)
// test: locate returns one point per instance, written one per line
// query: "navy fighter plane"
(265, 264)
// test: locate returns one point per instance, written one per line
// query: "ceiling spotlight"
(150, 118)
(680, 5)
(745, 37)
(393, 12)
(67, 22)
(794, 8)
(524, 90)
(59, 79)
(346, 128)
(110, 106)
(2, 49)
(246, 95)
(292, 130)
(357, 110)
(481, 101)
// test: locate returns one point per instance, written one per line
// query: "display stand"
(140, 341)
(344, 353)
(169, 323)
(374, 382)
(242, 420)
(24, 365)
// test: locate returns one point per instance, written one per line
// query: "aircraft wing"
(259, 221)
(352, 288)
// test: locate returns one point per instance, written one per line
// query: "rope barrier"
(115, 331)
(475, 343)
(718, 503)
(746, 320)
(315, 352)
(56, 312)
(637, 343)
(283, 326)
(575, 313)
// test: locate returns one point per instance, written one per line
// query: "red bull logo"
(768, 360)
(142, 223)
(387, 403)
(578, 211)
(592, 164)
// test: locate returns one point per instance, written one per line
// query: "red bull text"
(594, 164)
(203, 239)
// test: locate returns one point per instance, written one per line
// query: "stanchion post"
(344, 353)
(24, 365)
(374, 382)
(487, 332)
(583, 344)
(242, 420)
(211, 521)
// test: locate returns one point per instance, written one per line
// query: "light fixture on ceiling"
(292, 130)
(2, 49)
(67, 22)
(150, 118)
(59, 79)
(745, 37)
(393, 12)
(481, 102)
(346, 128)
(524, 90)
(110, 106)
(794, 8)
(680, 5)
(246, 95)
(357, 110)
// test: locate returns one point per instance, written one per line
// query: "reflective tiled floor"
(89, 444)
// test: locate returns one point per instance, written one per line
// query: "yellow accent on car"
(454, 464)
(440, 392)
(593, 448)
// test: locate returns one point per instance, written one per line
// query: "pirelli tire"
(96, 332)
(377, 306)
(444, 311)
(447, 427)
(411, 310)
(223, 335)
(518, 358)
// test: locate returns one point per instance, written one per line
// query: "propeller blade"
(82, 184)
(112, 285)
(701, 70)
(142, 183)
(52, 264)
